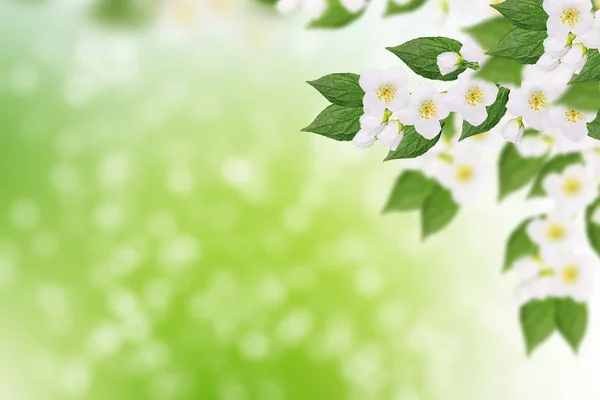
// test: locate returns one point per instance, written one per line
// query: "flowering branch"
(537, 86)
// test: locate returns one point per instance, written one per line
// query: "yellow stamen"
(570, 16)
(428, 110)
(556, 232)
(538, 101)
(464, 173)
(574, 116)
(570, 274)
(474, 96)
(571, 186)
(386, 93)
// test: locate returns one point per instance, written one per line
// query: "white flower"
(566, 16)
(448, 62)
(354, 6)
(472, 51)
(572, 123)
(569, 52)
(384, 90)
(433, 161)
(533, 146)
(514, 130)
(555, 233)
(547, 62)
(313, 8)
(591, 39)
(464, 176)
(573, 189)
(389, 133)
(573, 277)
(575, 58)
(470, 97)
(534, 282)
(425, 110)
(533, 99)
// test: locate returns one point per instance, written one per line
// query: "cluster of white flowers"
(565, 265)
(572, 31)
(389, 106)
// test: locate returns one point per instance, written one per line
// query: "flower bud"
(448, 62)
(513, 131)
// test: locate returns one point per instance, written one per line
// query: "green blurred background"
(167, 232)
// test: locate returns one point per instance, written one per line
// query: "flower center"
(570, 16)
(428, 110)
(571, 186)
(474, 96)
(386, 93)
(464, 173)
(574, 116)
(570, 274)
(538, 101)
(556, 232)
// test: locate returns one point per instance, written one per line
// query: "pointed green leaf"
(420, 55)
(410, 191)
(495, 113)
(501, 70)
(335, 16)
(449, 127)
(526, 14)
(519, 245)
(594, 128)
(571, 320)
(522, 46)
(438, 210)
(337, 122)
(537, 322)
(412, 146)
(582, 96)
(516, 171)
(591, 70)
(592, 227)
(340, 89)
(556, 164)
(488, 33)
(394, 8)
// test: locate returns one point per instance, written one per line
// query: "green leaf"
(489, 32)
(501, 70)
(438, 210)
(413, 145)
(337, 122)
(336, 16)
(526, 14)
(594, 128)
(340, 89)
(395, 8)
(410, 191)
(522, 46)
(449, 128)
(516, 171)
(555, 165)
(495, 113)
(582, 96)
(571, 320)
(537, 322)
(592, 228)
(122, 13)
(591, 70)
(519, 245)
(420, 55)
